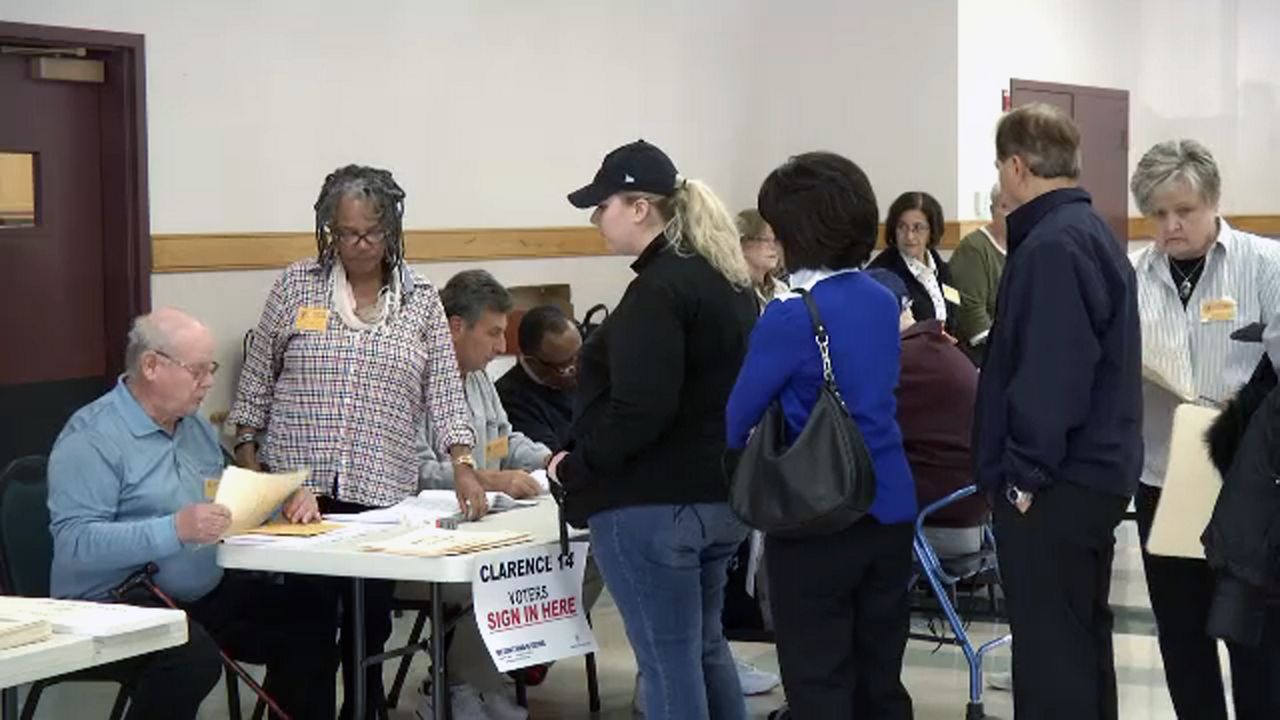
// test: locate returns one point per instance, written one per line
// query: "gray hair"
(153, 332)
(471, 293)
(367, 183)
(1185, 160)
(995, 194)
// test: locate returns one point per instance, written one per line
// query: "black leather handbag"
(820, 484)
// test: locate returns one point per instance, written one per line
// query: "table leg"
(357, 649)
(439, 679)
(10, 703)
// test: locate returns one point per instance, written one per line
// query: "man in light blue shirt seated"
(127, 487)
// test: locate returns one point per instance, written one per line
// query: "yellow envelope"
(285, 528)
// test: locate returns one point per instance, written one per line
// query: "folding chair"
(942, 576)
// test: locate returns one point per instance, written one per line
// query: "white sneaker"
(754, 680)
(1000, 681)
(465, 700)
(501, 706)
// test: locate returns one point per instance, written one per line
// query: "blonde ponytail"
(699, 223)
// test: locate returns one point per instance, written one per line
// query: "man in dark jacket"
(538, 392)
(1239, 543)
(1057, 432)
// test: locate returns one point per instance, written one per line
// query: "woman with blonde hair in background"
(643, 468)
(763, 254)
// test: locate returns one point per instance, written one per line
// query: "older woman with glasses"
(913, 230)
(352, 350)
(1198, 282)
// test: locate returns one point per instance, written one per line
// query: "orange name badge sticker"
(1219, 310)
(312, 319)
(497, 448)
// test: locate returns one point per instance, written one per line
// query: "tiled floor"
(936, 677)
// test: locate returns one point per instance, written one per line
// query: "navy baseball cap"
(636, 167)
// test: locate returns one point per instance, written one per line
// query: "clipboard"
(1191, 487)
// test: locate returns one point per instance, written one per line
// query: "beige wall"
(231, 302)
(489, 111)
(1206, 69)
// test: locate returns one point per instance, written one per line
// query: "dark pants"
(1181, 591)
(841, 613)
(1055, 567)
(284, 626)
(377, 625)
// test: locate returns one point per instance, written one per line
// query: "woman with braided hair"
(352, 349)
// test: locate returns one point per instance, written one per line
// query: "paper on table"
(435, 542)
(288, 529)
(426, 508)
(540, 477)
(81, 617)
(253, 496)
(1191, 486)
(18, 630)
(345, 531)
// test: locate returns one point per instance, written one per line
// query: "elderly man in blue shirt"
(126, 488)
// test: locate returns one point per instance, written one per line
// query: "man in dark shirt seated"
(937, 387)
(538, 392)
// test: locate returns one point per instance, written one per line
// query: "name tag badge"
(496, 449)
(312, 319)
(210, 489)
(951, 294)
(1219, 310)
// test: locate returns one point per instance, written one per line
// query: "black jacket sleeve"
(526, 416)
(1061, 302)
(646, 352)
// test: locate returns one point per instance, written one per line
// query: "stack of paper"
(82, 617)
(18, 630)
(284, 528)
(436, 542)
(426, 508)
(253, 496)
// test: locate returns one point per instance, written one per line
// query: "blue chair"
(942, 575)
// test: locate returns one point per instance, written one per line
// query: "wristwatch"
(466, 459)
(245, 438)
(1016, 496)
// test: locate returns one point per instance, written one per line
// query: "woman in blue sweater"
(840, 600)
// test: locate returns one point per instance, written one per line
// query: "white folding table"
(344, 558)
(67, 653)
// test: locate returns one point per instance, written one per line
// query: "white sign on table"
(528, 605)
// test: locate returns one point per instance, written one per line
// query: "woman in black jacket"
(644, 465)
(1241, 543)
(912, 232)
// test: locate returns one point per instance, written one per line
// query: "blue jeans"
(666, 567)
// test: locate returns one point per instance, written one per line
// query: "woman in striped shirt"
(1197, 283)
(352, 349)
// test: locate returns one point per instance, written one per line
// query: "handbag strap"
(823, 340)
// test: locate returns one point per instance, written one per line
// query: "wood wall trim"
(1140, 228)
(267, 250)
(257, 251)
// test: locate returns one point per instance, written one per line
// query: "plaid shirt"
(347, 403)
